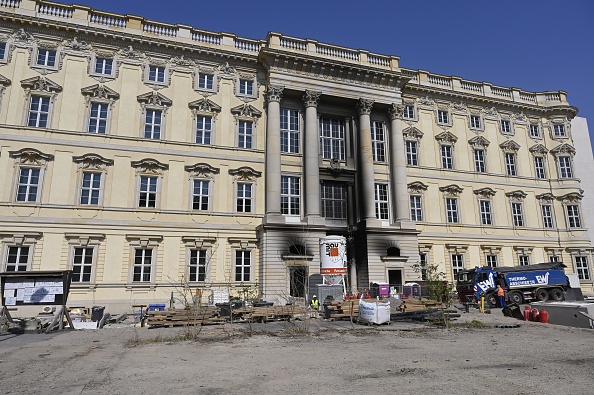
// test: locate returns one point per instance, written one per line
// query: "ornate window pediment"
(426, 102)
(446, 138)
(485, 193)
(563, 149)
(490, 113)
(149, 166)
(245, 173)
(412, 133)
(31, 156)
(509, 146)
(129, 53)
(4, 82)
(92, 162)
(516, 196)
(246, 110)
(538, 149)
(154, 99)
(98, 91)
(202, 170)
(204, 105)
(41, 84)
(479, 142)
(417, 187)
(76, 45)
(572, 197)
(545, 197)
(451, 190)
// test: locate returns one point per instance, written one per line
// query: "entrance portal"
(297, 281)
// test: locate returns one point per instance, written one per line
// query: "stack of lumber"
(181, 317)
(338, 310)
(275, 313)
(410, 305)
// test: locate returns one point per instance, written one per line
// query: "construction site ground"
(478, 353)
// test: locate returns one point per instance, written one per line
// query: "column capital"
(310, 98)
(396, 111)
(364, 106)
(274, 93)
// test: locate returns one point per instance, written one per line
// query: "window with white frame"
(143, 265)
(334, 200)
(154, 108)
(559, 130)
(409, 111)
(412, 153)
(506, 126)
(582, 268)
(90, 190)
(475, 122)
(457, 263)
(378, 141)
(197, 265)
(200, 194)
(447, 156)
(246, 87)
(103, 66)
(452, 214)
(480, 164)
(28, 184)
(565, 167)
(573, 216)
(46, 58)
(39, 107)
(534, 130)
(524, 260)
(381, 201)
(423, 264)
(98, 118)
(244, 197)
(491, 260)
(206, 81)
(540, 167)
(156, 74)
(416, 208)
(332, 138)
(443, 117)
(153, 121)
(82, 264)
(290, 195)
(245, 134)
(510, 164)
(517, 214)
(486, 212)
(546, 210)
(243, 265)
(203, 129)
(17, 258)
(147, 192)
(289, 124)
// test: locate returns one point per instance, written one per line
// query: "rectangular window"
(290, 195)
(103, 66)
(2, 50)
(17, 259)
(203, 129)
(156, 74)
(582, 267)
(480, 165)
(553, 258)
(409, 112)
(143, 260)
(442, 116)
(452, 211)
(381, 201)
(517, 214)
(475, 121)
(152, 124)
(416, 208)
(559, 130)
(423, 263)
(534, 130)
(98, 118)
(547, 216)
(197, 265)
(243, 265)
(457, 264)
(246, 87)
(565, 168)
(200, 195)
(573, 216)
(39, 111)
(46, 58)
(205, 81)
(412, 153)
(334, 200)
(28, 184)
(447, 157)
(332, 138)
(147, 197)
(539, 167)
(510, 164)
(90, 189)
(491, 260)
(289, 120)
(245, 134)
(82, 264)
(524, 260)
(244, 197)
(378, 141)
(486, 212)
(505, 126)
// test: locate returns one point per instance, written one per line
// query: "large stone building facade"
(148, 157)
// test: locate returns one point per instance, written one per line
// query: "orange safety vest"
(500, 292)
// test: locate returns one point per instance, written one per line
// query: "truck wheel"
(516, 297)
(556, 294)
(491, 300)
(542, 295)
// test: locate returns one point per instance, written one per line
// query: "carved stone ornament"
(479, 142)
(4, 82)
(201, 170)
(396, 111)
(204, 105)
(364, 106)
(412, 133)
(335, 169)
(417, 187)
(227, 71)
(155, 99)
(182, 62)
(426, 101)
(76, 45)
(451, 190)
(41, 84)
(538, 149)
(572, 197)
(274, 93)
(311, 98)
(446, 138)
(156, 62)
(130, 53)
(246, 110)
(92, 162)
(521, 117)
(149, 166)
(245, 173)
(509, 146)
(485, 193)
(459, 107)
(563, 149)
(100, 92)
(31, 156)
(22, 36)
(516, 196)
(545, 197)
(490, 112)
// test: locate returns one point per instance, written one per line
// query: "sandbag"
(376, 312)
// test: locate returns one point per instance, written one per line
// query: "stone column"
(273, 155)
(398, 166)
(366, 159)
(311, 156)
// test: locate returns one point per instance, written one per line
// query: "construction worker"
(501, 295)
(315, 303)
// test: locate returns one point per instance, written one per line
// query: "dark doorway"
(395, 277)
(297, 281)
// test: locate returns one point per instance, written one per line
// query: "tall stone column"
(311, 157)
(273, 151)
(398, 166)
(366, 159)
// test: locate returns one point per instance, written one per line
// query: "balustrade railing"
(55, 10)
(439, 80)
(205, 37)
(500, 92)
(247, 45)
(531, 97)
(10, 3)
(107, 20)
(552, 97)
(378, 60)
(159, 29)
(337, 52)
(470, 86)
(293, 44)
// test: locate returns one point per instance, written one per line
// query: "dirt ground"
(289, 358)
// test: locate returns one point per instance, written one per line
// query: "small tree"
(439, 289)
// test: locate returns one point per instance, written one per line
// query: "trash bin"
(97, 313)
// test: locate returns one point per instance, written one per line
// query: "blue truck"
(541, 282)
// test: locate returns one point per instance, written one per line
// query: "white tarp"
(377, 312)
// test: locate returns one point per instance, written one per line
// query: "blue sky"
(536, 45)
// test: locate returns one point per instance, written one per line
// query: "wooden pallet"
(340, 310)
